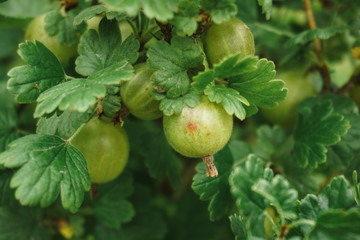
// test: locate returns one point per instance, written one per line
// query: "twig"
(211, 170)
(94, 191)
(323, 68)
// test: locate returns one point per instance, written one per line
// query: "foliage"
(274, 181)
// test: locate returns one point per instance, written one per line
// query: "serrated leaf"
(48, 166)
(80, 94)
(319, 33)
(171, 106)
(259, 87)
(336, 224)
(22, 223)
(356, 188)
(162, 10)
(231, 66)
(241, 180)
(172, 63)
(268, 141)
(216, 189)
(63, 27)
(221, 11)
(89, 13)
(8, 129)
(184, 22)
(77, 94)
(316, 128)
(160, 159)
(42, 72)
(25, 9)
(111, 207)
(280, 195)
(238, 227)
(266, 7)
(64, 125)
(230, 99)
(101, 50)
(338, 194)
(51, 22)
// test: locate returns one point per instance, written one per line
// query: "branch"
(323, 68)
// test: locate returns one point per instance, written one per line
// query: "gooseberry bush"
(179, 119)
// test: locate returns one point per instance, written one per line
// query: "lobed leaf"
(47, 166)
(230, 99)
(216, 189)
(172, 63)
(171, 106)
(316, 128)
(63, 126)
(80, 94)
(42, 72)
(63, 27)
(162, 10)
(101, 50)
(259, 87)
(221, 11)
(280, 195)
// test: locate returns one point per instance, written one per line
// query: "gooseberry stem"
(211, 170)
(94, 191)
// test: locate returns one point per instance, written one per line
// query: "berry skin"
(136, 94)
(199, 132)
(226, 39)
(105, 148)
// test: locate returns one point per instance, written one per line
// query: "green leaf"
(336, 224)
(242, 178)
(42, 72)
(25, 8)
(238, 227)
(22, 223)
(221, 11)
(8, 129)
(266, 7)
(268, 141)
(230, 99)
(172, 63)
(280, 195)
(171, 106)
(63, 126)
(258, 86)
(162, 10)
(230, 67)
(160, 159)
(112, 101)
(101, 50)
(51, 22)
(319, 33)
(48, 166)
(63, 27)
(338, 194)
(316, 128)
(89, 13)
(184, 22)
(111, 207)
(216, 189)
(80, 94)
